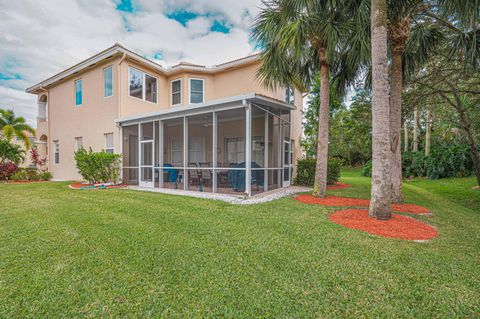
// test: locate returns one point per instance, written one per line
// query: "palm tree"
(300, 39)
(11, 126)
(381, 158)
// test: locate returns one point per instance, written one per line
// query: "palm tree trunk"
(320, 185)
(405, 136)
(415, 129)
(381, 185)
(427, 134)
(396, 88)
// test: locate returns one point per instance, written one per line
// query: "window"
(78, 92)
(196, 149)
(109, 143)
(56, 147)
(78, 143)
(107, 82)
(176, 150)
(176, 92)
(142, 85)
(289, 94)
(196, 91)
(235, 150)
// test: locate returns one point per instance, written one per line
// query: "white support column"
(280, 153)
(248, 146)
(160, 154)
(121, 152)
(265, 174)
(214, 152)
(139, 153)
(185, 153)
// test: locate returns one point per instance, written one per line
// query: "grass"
(119, 253)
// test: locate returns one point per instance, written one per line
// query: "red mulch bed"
(338, 185)
(398, 226)
(347, 201)
(80, 185)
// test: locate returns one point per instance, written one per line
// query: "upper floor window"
(142, 85)
(176, 92)
(196, 91)
(109, 143)
(289, 94)
(56, 148)
(107, 82)
(78, 143)
(78, 92)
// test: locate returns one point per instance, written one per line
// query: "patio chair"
(206, 174)
(194, 175)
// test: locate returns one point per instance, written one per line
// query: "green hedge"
(98, 167)
(449, 160)
(305, 172)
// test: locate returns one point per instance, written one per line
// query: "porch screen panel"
(130, 159)
(172, 166)
(230, 177)
(200, 156)
(275, 141)
(258, 150)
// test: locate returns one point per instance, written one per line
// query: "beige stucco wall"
(97, 115)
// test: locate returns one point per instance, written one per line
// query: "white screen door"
(146, 164)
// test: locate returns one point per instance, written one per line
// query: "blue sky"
(37, 42)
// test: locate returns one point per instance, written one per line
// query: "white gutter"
(240, 99)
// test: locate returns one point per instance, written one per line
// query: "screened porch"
(238, 150)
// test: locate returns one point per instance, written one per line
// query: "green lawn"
(118, 253)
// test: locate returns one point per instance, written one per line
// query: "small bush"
(305, 173)
(46, 176)
(413, 164)
(367, 169)
(98, 167)
(7, 170)
(20, 175)
(452, 160)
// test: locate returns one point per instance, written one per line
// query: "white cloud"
(38, 41)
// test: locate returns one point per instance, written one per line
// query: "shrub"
(98, 167)
(305, 173)
(413, 164)
(452, 160)
(367, 169)
(7, 170)
(20, 175)
(46, 176)
(10, 152)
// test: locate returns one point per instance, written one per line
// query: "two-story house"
(192, 127)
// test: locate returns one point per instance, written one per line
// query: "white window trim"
(75, 92)
(181, 92)
(105, 142)
(190, 90)
(76, 143)
(103, 72)
(143, 85)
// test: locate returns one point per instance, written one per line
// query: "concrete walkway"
(232, 199)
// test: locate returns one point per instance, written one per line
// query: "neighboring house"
(207, 128)
(27, 162)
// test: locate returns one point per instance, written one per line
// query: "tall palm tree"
(381, 158)
(11, 126)
(300, 39)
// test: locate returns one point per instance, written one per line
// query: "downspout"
(119, 86)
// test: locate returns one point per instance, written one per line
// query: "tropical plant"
(7, 170)
(11, 152)
(11, 126)
(98, 167)
(305, 171)
(36, 160)
(299, 39)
